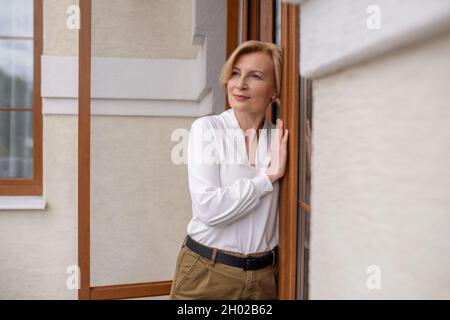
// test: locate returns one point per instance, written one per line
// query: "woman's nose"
(241, 84)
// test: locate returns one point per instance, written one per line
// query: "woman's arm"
(215, 204)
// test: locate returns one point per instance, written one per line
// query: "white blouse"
(234, 205)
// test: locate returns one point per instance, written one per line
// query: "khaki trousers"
(197, 277)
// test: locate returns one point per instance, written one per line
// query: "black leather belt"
(248, 263)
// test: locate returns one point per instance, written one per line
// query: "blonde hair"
(251, 46)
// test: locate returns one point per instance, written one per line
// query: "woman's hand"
(278, 160)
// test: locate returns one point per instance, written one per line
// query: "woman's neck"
(250, 120)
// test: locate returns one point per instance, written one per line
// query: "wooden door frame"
(84, 149)
(258, 24)
(86, 291)
(288, 202)
(289, 184)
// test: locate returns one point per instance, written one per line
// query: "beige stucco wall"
(157, 29)
(381, 178)
(38, 246)
(140, 204)
(58, 39)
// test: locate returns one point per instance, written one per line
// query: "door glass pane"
(16, 145)
(140, 203)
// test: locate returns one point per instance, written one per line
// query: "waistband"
(217, 255)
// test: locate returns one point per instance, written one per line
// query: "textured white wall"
(381, 177)
(334, 34)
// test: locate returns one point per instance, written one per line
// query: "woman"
(234, 163)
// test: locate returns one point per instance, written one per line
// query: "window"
(20, 101)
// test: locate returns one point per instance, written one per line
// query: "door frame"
(258, 23)
(86, 291)
(289, 185)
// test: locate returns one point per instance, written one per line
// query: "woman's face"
(252, 83)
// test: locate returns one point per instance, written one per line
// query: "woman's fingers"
(280, 129)
(286, 133)
(279, 151)
(280, 124)
(284, 142)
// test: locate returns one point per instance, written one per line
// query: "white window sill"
(23, 202)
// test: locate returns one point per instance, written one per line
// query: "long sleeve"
(216, 204)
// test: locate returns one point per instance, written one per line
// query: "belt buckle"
(247, 263)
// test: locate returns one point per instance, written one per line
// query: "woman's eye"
(234, 73)
(256, 77)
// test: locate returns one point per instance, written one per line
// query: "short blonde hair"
(251, 46)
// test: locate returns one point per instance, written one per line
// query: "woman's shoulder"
(214, 121)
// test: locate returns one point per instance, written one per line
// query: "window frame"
(33, 186)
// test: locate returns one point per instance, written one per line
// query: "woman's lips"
(240, 98)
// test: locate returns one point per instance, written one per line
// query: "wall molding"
(209, 27)
(131, 107)
(122, 86)
(126, 78)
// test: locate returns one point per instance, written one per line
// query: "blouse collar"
(235, 123)
(263, 148)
